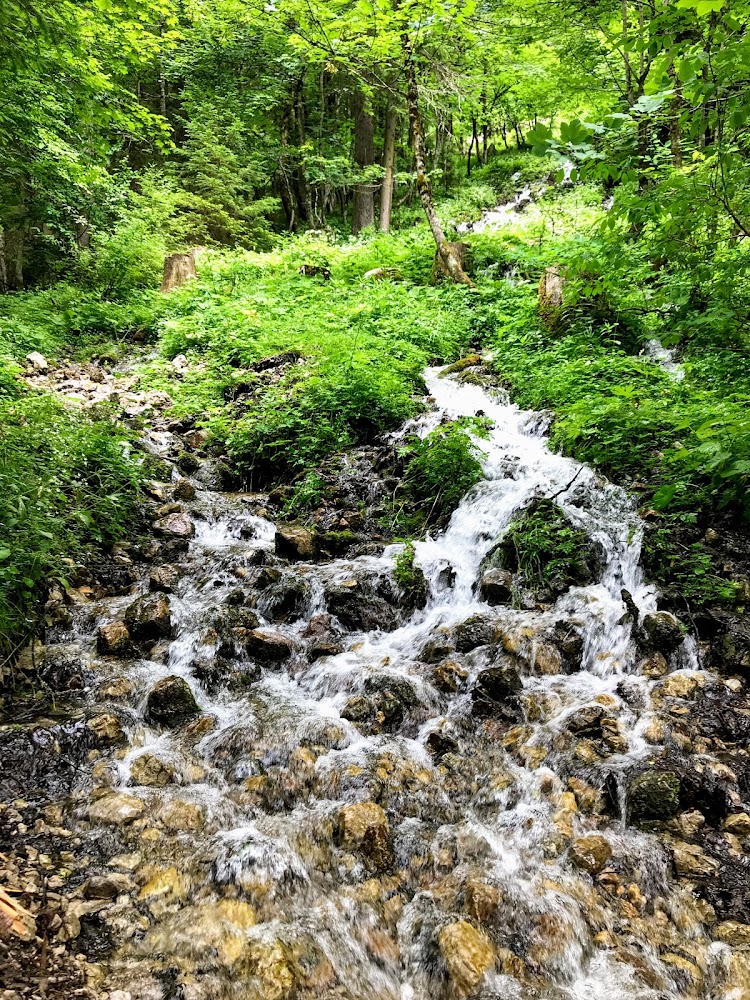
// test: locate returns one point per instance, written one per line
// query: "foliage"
(68, 483)
(440, 469)
(546, 548)
(409, 577)
(306, 496)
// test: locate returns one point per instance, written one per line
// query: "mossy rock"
(653, 795)
(547, 549)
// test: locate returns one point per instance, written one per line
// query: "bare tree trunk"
(450, 262)
(299, 117)
(473, 141)
(363, 210)
(675, 136)
(288, 198)
(3, 265)
(389, 166)
(178, 268)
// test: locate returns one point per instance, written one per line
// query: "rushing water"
(272, 773)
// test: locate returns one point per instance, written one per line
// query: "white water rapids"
(497, 823)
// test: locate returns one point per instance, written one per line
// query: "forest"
(374, 465)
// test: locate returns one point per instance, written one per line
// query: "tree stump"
(178, 268)
(551, 298)
(439, 273)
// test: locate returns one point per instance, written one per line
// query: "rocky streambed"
(270, 773)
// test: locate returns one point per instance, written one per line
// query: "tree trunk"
(3, 266)
(389, 165)
(675, 136)
(299, 117)
(450, 262)
(288, 197)
(178, 268)
(472, 142)
(363, 210)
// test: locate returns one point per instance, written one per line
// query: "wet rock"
(467, 954)
(738, 824)
(363, 828)
(116, 809)
(439, 743)
(209, 935)
(481, 899)
(175, 526)
(586, 721)
(150, 771)
(149, 617)
(654, 666)
(591, 853)
(392, 697)
(690, 861)
(170, 701)
(682, 685)
(733, 933)
(268, 647)
(495, 692)
(107, 729)
(359, 609)
(358, 709)
(187, 463)
(294, 542)
(285, 601)
(183, 490)
(479, 630)
(664, 631)
(113, 639)
(180, 816)
(496, 586)
(37, 361)
(653, 795)
(109, 886)
(449, 676)
(118, 689)
(435, 650)
(164, 579)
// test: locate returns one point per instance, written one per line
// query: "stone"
(654, 666)
(106, 729)
(495, 690)
(449, 676)
(479, 630)
(183, 490)
(358, 609)
(363, 827)
(591, 853)
(210, 935)
(467, 955)
(117, 689)
(586, 721)
(267, 646)
(168, 882)
(689, 860)
(176, 525)
(170, 701)
(738, 824)
(682, 685)
(733, 933)
(653, 795)
(149, 617)
(294, 542)
(113, 639)
(109, 886)
(179, 816)
(664, 631)
(496, 586)
(37, 361)
(383, 274)
(116, 809)
(150, 771)
(481, 899)
(164, 579)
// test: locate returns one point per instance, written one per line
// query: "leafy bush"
(67, 483)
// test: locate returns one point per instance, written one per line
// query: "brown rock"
(149, 770)
(467, 954)
(734, 933)
(113, 639)
(164, 579)
(183, 490)
(175, 526)
(592, 853)
(738, 824)
(106, 728)
(690, 861)
(149, 617)
(116, 808)
(449, 676)
(267, 646)
(481, 900)
(179, 815)
(294, 542)
(363, 827)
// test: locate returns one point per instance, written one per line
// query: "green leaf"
(663, 496)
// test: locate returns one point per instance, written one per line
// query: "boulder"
(479, 630)
(363, 828)
(591, 853)
(267, 646)
(738, 824)
(495, 692)
(664, 632)
(183, 490)
(108, 886)
(150, 771)
(149, 617)
(113, 639)
(116, 809)
(294, 542)
(179, 816)
(467, 955)
(653, 795)
(164, 579)
(177, 525)
(690, 861)
(359, 609)
(106, 729)
(391, 697)
(733, 933)
(449, 676)
(586, 721)
(38, 361)
(496, 586)
(170, 701)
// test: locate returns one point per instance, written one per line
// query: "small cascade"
(343, 818)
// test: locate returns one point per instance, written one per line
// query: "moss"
(470, 361)
(654, 795)
(410, 578)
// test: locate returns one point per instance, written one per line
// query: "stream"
(356, 811)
